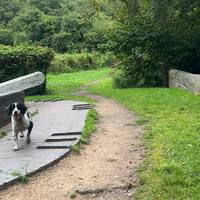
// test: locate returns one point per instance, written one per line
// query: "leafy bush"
(6, 37)
(105, 59)
(21, 60)
(21, 38)
(60, 42)
(139, 70)
(66, 63)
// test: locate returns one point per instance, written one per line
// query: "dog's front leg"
(15, 141)
(28, 140)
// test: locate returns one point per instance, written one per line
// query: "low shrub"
(20, 60)
(66, 63)
(105, 59)
(138, 70)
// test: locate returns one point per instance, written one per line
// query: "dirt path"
(105, 169)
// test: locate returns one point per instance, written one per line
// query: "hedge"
(20, 60)
(66, 63)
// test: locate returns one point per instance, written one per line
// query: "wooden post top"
(22, 83)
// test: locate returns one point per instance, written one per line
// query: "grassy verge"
(63, 85)
(88, 129)
(22, 178)
(172, 120)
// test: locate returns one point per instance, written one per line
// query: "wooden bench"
(13, 91)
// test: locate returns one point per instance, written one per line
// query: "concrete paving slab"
(53, 120)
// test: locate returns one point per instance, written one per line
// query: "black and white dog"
(20, 120)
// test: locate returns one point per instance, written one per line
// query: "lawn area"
(172, 137)
(62, 86)
(172, 131)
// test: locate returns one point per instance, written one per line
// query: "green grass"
(88, 129)
(2, 134)
(22, 178)
(172, 136)
(63, 85)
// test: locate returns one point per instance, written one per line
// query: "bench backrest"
(13, 91)
(22, 83)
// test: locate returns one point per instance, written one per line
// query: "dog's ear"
(22, 108)
(10, 109)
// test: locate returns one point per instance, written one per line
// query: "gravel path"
(105, 169)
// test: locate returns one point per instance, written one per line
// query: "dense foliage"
(6, 37)
(146, 35)
(20, 60)
(65, 63)
(152, 34)
(65, 25)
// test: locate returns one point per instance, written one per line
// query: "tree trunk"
(165, 75)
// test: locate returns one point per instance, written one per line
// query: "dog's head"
(17, 109)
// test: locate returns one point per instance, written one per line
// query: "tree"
(61, 42)
(6, 37)
(85, 23)
(154, 33)
(48, 7)
(38, 27)
(8, 10)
